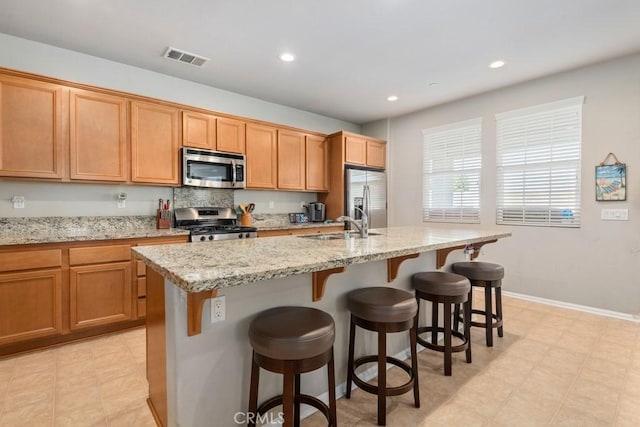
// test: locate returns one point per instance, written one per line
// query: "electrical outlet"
(302, 205)
(18, 202)
(122, 204)
(270, 204)
(218, 309)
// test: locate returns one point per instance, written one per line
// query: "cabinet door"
(231, 135)
(355, 150)
(30, 305)
(291, 160)
(261, 156)
(100, 294)
(376, 154)
(198, 130)
(98, 136)
(155, 143)
(32, 128)
(317, 163)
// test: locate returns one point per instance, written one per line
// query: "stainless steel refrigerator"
(366, 189)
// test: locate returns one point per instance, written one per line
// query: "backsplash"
(186, 197)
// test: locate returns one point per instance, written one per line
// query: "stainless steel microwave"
(213, 169)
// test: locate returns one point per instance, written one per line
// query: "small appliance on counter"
(316, 212)
(209, 224)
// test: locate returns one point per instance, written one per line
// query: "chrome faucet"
(363, 228)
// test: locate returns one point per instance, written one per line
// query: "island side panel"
(156, 347)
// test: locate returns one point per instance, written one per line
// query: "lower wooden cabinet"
(30, 305)
(99, 294)
(53, 293)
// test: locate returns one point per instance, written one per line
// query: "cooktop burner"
(209, 224)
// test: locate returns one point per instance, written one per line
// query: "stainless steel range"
(209, 224)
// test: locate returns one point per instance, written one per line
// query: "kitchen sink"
(336, 236)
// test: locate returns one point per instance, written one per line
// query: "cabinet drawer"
(26, 260)
(142, 307)
(141, 268)
(99, 254)
(142, 287)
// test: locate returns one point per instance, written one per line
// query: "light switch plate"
(615, 214)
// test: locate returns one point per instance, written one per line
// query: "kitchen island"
(199, 371)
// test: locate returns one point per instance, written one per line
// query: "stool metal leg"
(382, 377)
(253, 391)
(287, 395)
(499, 309)
(296, 401)
(447, 339)
(434, 323)
(488, 317)
(352, 339)
(333, 422)
(467, 328)
(413, 334)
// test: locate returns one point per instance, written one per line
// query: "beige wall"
(595, 265)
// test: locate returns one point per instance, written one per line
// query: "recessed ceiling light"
(392, 98)
(287, 57)
(496, 64)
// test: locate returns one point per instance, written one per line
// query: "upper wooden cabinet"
(231, 135)
(32, 128)
(198, 130)
(317, 163)
(262, 156)
(364, 151)
(155, 143)
(376, 154)
(355, 150)
(98, 146)
(291, 160)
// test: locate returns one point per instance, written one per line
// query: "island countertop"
(197, 267)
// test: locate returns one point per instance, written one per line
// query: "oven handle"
(233, 175)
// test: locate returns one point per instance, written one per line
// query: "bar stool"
(488, 276)
(383, 310)
(449, 290)
(292, 341)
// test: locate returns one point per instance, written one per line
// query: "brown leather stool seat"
(383, 310)
(292, 341)
(488, 276)
(447, 289)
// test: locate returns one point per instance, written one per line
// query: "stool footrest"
(390, 391)
(494, 325)
(441, 348)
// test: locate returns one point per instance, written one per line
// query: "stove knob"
(240, 236)
(211, 237)
(202, 239)
(246, 235)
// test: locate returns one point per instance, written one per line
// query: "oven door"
(201, 168)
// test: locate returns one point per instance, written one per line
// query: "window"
(451, 173)
(538, 165)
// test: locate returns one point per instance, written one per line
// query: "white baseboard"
(602, 312)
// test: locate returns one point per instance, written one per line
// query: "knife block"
(163, 222)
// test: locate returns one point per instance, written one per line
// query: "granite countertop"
(265, 222)
(204, 266)
(22, 231)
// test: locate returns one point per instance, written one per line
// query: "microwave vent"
(186, 57)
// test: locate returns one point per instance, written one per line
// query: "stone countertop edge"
(194, 270)
(297, 225)
(70, 236)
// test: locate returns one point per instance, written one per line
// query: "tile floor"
(97, 382)
(554, 367)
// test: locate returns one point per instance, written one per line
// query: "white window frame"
(452, 159)
(538, 165)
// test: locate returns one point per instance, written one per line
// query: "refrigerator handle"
(367, 201)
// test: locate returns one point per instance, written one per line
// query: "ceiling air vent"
(186, 57)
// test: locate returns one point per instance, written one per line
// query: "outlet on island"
(218, 309)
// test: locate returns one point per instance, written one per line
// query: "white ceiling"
(351, 54)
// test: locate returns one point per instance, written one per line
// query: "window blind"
(451, 172)
(538, 165)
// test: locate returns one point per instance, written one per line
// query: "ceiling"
(350, 54)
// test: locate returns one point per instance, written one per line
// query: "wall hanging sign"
(611, 180)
